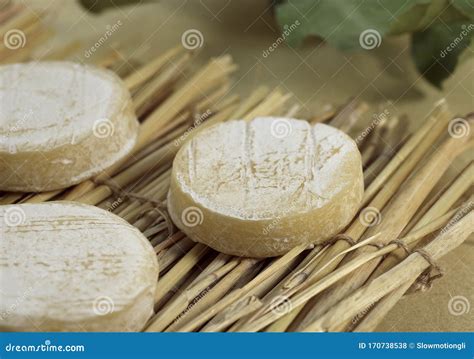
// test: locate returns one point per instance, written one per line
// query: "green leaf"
(422, 16)
(437, 25)
(437, 49)
(468, 52)
(97, 6)
(411, 20)
(341, 23)
(465, 6)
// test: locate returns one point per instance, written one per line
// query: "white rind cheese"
(260, 188)
(66, 266)
(61, 123)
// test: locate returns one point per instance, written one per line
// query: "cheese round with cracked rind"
(66, 266)
(61, 123)
(260, 188)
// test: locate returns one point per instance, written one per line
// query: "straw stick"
(264, 289)
(10, 198)
(168, 242)
(454, 189)
(216, 264)
(179, 270)
(240, 293)
(382, 160)
(375, 142)
(419, 143)
(147, 71)
(163, 155)
(168, 313)
(160, 83)
(213, 102)
(303, 272)
(375, 315)
(203, 81)
(220, 289)
(20, 21)
(215, 293)
(167, 258)
(301, 296)
(263, 109)
(233, 313)
(373, 318)
(43, 196)
(257, 96)
(208, 78)
(292, 111)
(395, 217)
(349, 115)
(293, 280)
(182, 124)
(231, 293)
(326, 115)
(156, 159)
(220, 260)
(446, 201)
(86, 186)
(274, 101)
(408, 270)
(423, 139)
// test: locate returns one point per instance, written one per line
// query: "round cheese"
(61, 123)
(66, 266)
(262, 187)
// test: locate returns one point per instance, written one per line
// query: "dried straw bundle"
(347, 284)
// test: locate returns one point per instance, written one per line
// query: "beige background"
(316, 75)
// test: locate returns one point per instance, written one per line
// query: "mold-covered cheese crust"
(67, 266)
(61, 123)
(259, 188)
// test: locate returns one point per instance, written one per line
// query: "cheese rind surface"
(262, 187)
(61, 123)
(66, 266)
